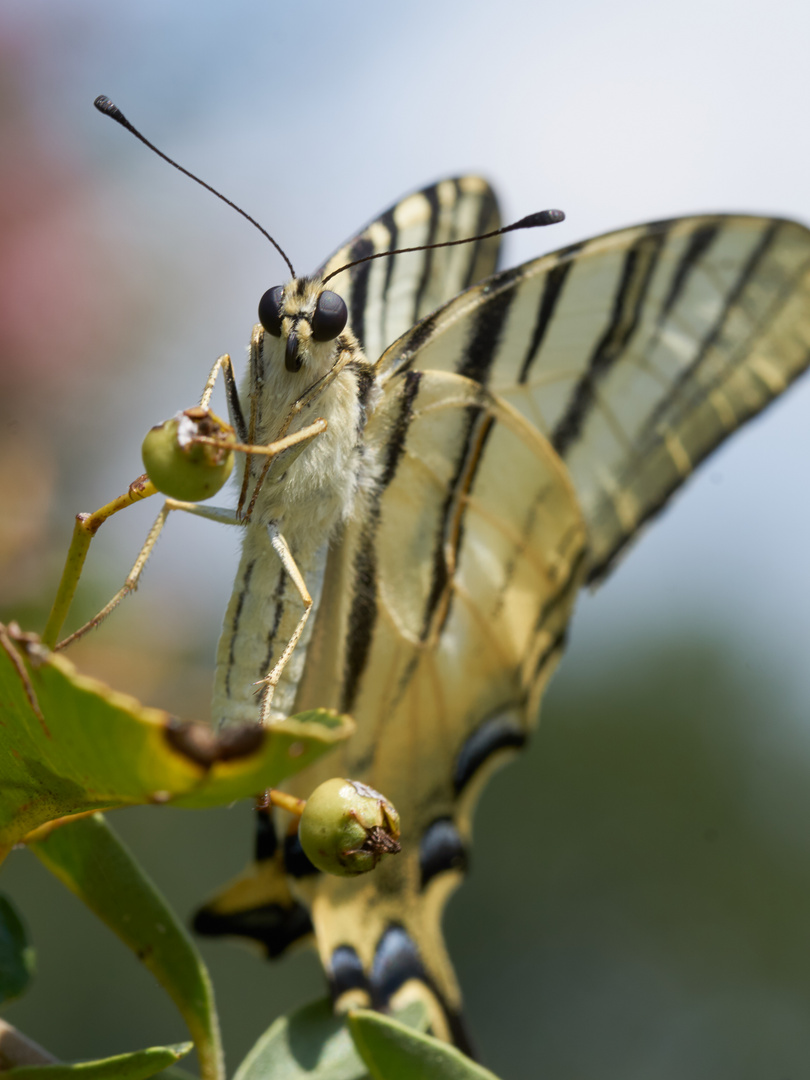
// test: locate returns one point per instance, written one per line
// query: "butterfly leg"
(87, 525)
(274, 466)
(270, 681)
(226, 517)
(84, 529)
(237, 418)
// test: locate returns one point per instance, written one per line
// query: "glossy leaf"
(16, 954)
(393, 1051)
(88, 857)
(69, 744)
(312, 1044)
(135, 1066)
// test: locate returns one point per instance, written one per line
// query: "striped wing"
(443, 614)
(385, 297)
(527, 430)
(447, 607)
(634, 353)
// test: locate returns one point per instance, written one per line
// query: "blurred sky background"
(120, 283)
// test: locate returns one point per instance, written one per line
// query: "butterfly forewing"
(635, 353)
(524, 431)
(385, 297)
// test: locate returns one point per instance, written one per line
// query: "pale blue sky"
(316, 116)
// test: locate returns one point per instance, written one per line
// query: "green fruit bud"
(347, 827)
(182, 467)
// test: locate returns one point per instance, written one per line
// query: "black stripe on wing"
(245, 587)
(450, 536)
(363, 611)
(486, 329)
(639, 265)
(551, 294)
(635, 353)
(396, 961)
(427, 257)
(723, 386)
(441, 849)
(387, 296)
(358, 296)
(272, 925)
(747, 271)
(497, 733)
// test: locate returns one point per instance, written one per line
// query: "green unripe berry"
(182, 467)
(347, 827)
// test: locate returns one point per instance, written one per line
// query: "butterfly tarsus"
(270, 681)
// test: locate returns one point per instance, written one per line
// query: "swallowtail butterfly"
(494, 441)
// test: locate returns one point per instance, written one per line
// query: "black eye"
(330, 316)
(270, 310)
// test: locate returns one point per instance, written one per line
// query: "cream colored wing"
(580, 390)
(444, 612)
(447, 604)
(634, 353)
(386, 297)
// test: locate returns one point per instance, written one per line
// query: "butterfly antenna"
(104, 105)
(531, 221)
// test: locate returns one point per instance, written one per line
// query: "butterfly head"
(308, 320)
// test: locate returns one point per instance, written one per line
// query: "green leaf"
(135, 1066)
(175, 1072)
(312, 1044)
(395, 1052)
(16, 954)
(90, 859)
(69, 744)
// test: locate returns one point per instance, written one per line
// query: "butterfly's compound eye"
(330, 317)
(270, 310)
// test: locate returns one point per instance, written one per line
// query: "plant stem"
(86, 527)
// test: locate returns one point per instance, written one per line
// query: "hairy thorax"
(318, 490)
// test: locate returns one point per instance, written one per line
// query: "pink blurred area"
(60, 301)
(74, 309)
(63, 285)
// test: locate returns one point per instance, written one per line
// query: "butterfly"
(493, 442)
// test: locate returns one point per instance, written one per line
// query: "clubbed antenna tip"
(542, 217)
(108, 108)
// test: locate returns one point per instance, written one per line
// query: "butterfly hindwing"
(465, 568)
